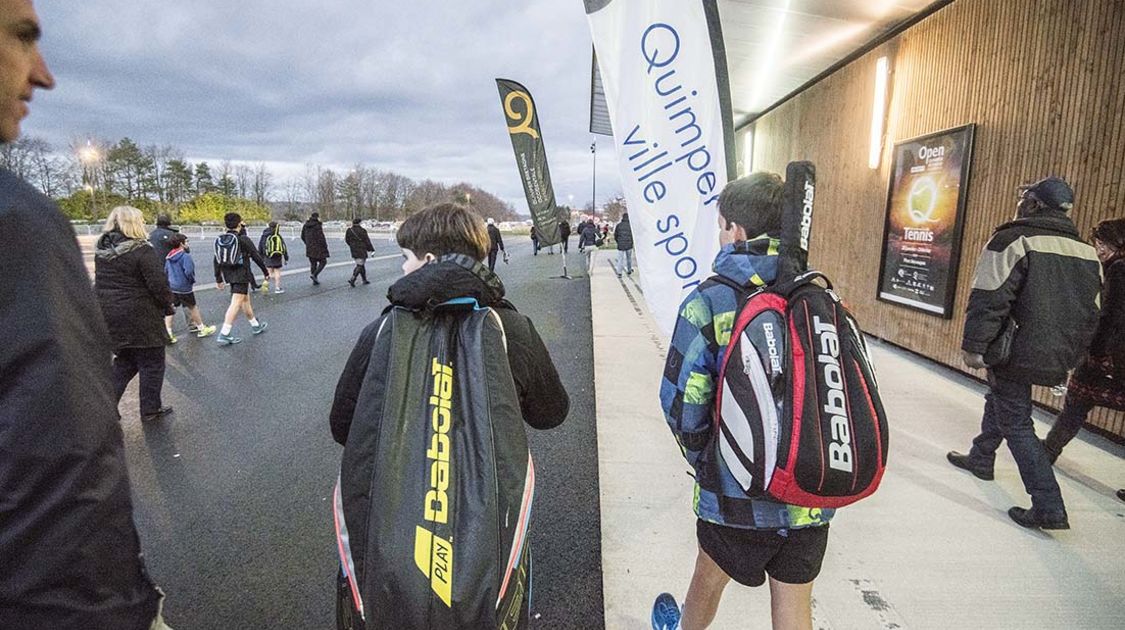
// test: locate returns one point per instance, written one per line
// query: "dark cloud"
(404, 86)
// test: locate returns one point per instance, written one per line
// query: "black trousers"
(492, 259)
(149, 363)
(1007, 417)
(360, 270)
(1066, 426)
(566, 244)
(318, 265)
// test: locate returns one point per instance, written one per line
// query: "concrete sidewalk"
(933, 548)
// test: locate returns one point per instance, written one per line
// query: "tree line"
(89, 178)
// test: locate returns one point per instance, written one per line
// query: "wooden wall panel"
(1044, 81)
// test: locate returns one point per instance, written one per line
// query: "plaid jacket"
(688, 388)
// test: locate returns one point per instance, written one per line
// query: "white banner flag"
(664, 71)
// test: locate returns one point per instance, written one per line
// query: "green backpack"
(275, 245)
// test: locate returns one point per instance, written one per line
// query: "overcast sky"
(403, 86)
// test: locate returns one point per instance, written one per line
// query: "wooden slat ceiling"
(776, 46)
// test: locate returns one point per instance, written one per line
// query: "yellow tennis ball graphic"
(922, 200)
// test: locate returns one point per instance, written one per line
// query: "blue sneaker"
(228, 340)
(259, 329)
(665, 613)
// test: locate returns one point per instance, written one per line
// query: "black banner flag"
(531, 158)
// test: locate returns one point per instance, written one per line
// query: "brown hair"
(754, 202)
(1111, 232)
(446, 228)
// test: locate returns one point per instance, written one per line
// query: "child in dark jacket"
(180, 269)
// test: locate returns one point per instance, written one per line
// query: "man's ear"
(429, 258)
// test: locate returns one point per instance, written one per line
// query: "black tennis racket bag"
(436, 485)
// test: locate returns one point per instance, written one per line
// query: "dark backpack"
(797, 407)
(275, 245)
(436, 483)
(227, 250)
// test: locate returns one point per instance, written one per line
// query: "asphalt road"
(232, 491)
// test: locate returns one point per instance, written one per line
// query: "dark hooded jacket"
(69, 553)
(1037, 272)
(132, 290)
(316, 246)
(623, 235)
(543, 400)
(1100, 379)
(358, 241)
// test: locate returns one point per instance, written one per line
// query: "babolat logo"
(433, 554)
(771, 348)
(806, 214)
(835, 402)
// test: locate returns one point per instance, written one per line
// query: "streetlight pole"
(89, 156)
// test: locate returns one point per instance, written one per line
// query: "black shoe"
(366, 282)
(316, 283)
(1121, 494)
(158, 414)
(352, 282)
(962, 462)
(1033, 518)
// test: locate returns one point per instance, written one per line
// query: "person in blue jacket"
(180, 269)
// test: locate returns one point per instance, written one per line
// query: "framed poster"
(924, 220)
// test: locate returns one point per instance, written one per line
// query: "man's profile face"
(22, 68)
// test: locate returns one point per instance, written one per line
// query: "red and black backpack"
(797, 410)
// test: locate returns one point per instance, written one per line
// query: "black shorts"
(792, 556)
(240, 288)
(186, 300)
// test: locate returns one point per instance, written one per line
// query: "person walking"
(1031, 314)
(233, 253)
(747, 539)
(134, 296)
(161, 236)
(623, 236)
(316, 246)
(180, 269)
(1099, 380)
(359, 242)
(587, 235)
(564, 235)
(534, 241)
(70, 556)
(496, 244)
(275, 251)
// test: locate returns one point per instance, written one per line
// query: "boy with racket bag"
(436, 481)
(769, 392)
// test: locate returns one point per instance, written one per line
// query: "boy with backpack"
(180, 269)
(233, 253)
(805, 426)
(272, 246)
(453, 367)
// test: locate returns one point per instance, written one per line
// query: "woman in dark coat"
(1099, 380)
(316, 246)
(360, 245)
(134, 296)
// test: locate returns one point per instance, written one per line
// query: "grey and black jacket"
(1038, 272)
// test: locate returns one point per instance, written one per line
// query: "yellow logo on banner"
(523, 124)
(434, 557)
(433, 554)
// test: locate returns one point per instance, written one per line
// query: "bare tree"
(261, 183)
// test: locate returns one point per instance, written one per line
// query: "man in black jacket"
(159, 237)
(360, 245)
(495, 245)
(69, 552)
(316, 246)
(564, 235)
(233, 253)
(623, 236)
(1031, 314)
